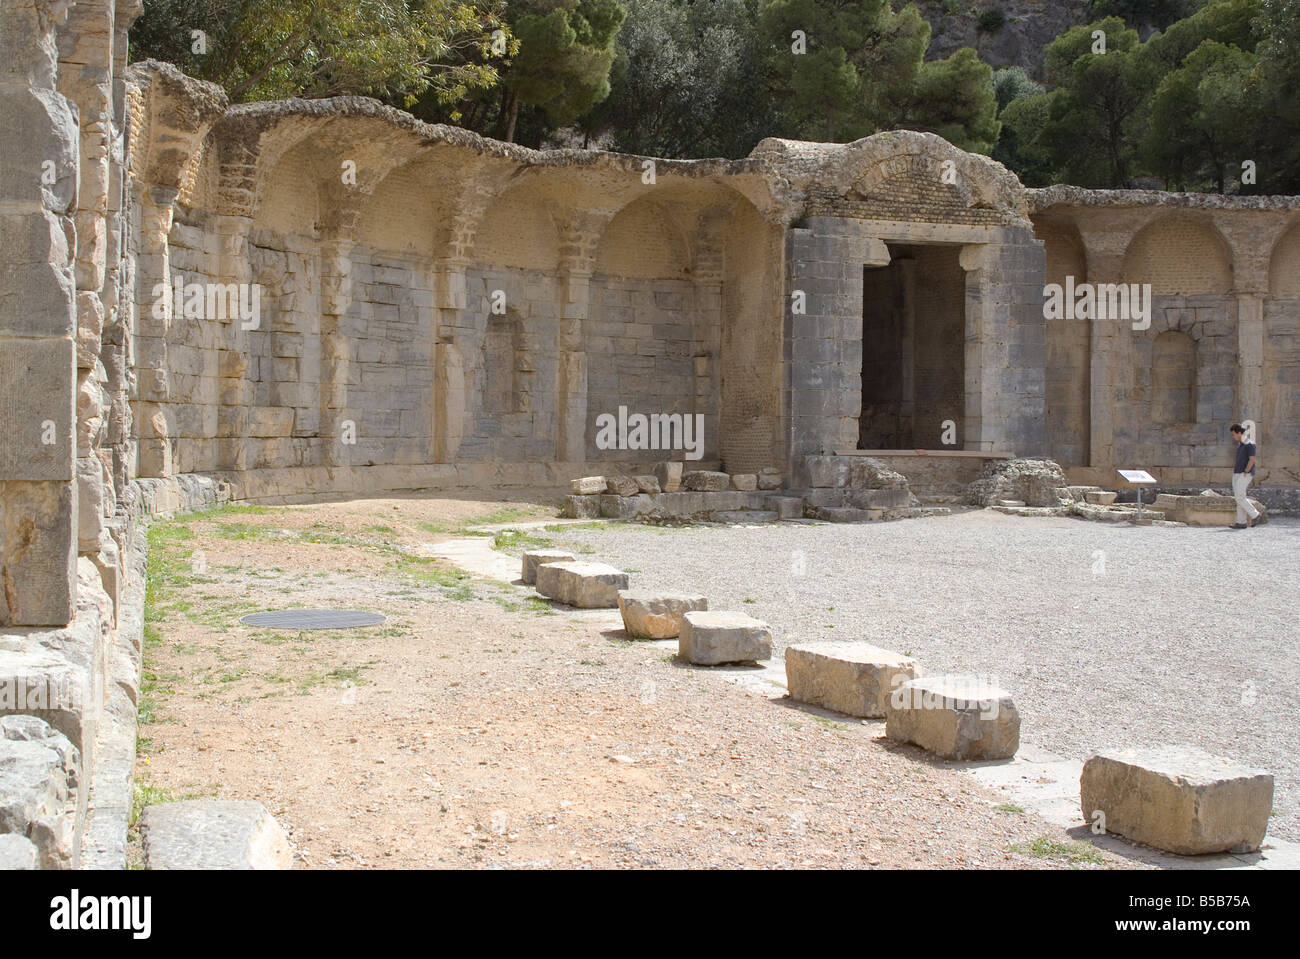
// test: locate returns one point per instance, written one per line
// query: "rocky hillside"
(1016, 38)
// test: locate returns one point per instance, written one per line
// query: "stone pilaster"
(38, 361)
(1006, 344)
(823, 343)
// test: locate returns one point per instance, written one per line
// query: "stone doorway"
(913, 350)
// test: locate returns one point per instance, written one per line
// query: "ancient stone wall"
(204, 302)
(1221, 345)
(69, 659)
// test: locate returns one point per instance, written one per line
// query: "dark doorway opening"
(914, 350)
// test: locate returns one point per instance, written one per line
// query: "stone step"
(742, 516)
(582, 585)
(1177, 798)
(848, 514)
(714, 638)
(653, 615)
(213, 834)
(856, 679)
(956, 717)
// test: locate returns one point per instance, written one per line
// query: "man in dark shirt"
(1243, 471)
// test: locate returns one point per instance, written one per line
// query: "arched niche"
(1284, 265)
(403, 214)
(290, 199)
(1179, 256)
(517, 232)
(642, 242)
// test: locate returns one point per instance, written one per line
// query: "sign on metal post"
(1138, 478)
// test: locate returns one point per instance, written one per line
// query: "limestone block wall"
(68, 659)
(1220, 346)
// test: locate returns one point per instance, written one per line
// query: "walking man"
(1243, 471)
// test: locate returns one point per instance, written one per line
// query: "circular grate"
(313, 619)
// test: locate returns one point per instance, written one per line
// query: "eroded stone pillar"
(38, 362)
(823, 331)
(1006, 344)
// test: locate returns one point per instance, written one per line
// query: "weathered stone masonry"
(464, 310)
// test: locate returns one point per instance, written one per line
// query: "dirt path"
(479, 727)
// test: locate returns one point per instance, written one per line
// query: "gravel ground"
(477, 728)
(1106, 635)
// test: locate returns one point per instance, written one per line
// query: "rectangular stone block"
(587, 485)
(714, 638)
(537, 557)
(787, 507)
(622, 485)
(1179, 799)
(856, 679)
(38, 378)
(213, 834)
(956, 717)
(38, 553)
(583, 585)
(705, 481)
(651, 615)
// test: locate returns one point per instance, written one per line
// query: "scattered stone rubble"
(841, 489)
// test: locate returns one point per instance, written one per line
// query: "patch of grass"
(242, 531)
(592, 662)
(1045, 847)
(529, 604)
(515, 541)
(351, 674)
(220, 512)
(146, 794)
(1008, 807)
(382, 530)
(749, 599)
(428, 571)
(828, 723)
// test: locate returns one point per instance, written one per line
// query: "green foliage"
(566, 50)
(1087, 127)
(269, 49)
(1203, 117)
(991, 20)
(864, 71)
(684, 81)
(1146, 13)
(955, 98)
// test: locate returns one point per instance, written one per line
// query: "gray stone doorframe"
(1006, 334)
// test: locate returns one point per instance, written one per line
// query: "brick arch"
(1284, 264)
(1178, 256)
(643, 242)
(404, 214)
(290, 197)
(1066, 254)
(517, 230)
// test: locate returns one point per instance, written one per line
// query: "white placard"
(1137, 476)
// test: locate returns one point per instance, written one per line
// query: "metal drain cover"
(313, 619)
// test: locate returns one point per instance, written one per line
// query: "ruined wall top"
(1063, 195)
(898, 175)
